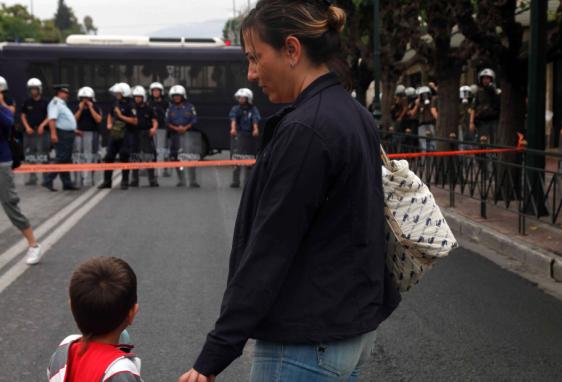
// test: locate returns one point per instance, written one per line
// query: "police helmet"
(35, 83)
(156, 85)
(245, 92)
(465, 93)
(423, 89)
(118, 88)
(400, 90)
(86, 92)
(3, 84)
(178, 90)
(125, 89)
(487, 73)
(410, 91)
(138, 91)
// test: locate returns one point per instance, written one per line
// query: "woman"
(307, 270)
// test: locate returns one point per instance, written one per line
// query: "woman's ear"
(293, 49)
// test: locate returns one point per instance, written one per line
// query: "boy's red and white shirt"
(123, 367)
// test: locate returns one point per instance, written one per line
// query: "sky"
(146, 17)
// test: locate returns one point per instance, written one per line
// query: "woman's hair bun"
(336, 18)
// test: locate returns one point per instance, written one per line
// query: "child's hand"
(194, 376)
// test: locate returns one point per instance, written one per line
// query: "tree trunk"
(448, 104)
(388, 88)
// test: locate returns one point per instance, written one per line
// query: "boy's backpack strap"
(57, 365)
(124, 369)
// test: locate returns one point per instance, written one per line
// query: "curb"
(537, 260)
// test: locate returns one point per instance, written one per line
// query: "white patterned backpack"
(416, 231)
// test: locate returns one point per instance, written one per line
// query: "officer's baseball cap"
(62, 88)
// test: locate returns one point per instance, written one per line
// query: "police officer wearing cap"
(244, 131)
(37, 142)
(63, 130)
(88, 116)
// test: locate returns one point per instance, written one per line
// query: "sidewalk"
(539, 251)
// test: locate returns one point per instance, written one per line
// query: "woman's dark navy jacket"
(308, 257)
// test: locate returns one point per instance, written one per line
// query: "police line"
(38, 168)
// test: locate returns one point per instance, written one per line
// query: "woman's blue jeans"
(331, 362)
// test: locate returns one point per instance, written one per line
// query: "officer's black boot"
(107, 175)
(125, 180)
(193, 178)
(181, 177)
(236, 177)
(152, 178)
(135, 181)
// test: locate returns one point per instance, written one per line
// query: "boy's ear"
(132, 314)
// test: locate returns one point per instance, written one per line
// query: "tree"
(446, 52)
(16, 24)
(498, 38)
(231, 30)
(66, 21)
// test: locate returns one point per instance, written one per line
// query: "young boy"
(103, 300)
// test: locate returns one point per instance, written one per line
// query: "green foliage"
(17, 24)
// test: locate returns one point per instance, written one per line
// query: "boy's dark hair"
(102, 292)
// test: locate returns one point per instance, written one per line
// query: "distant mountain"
(211, 28)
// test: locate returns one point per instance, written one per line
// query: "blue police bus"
(210, 70)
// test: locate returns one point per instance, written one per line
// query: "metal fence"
(505, 180)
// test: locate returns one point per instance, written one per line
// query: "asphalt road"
(469, 320)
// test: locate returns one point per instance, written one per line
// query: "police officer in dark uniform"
(37, 142)
(186, 144)
(88, 116)
(410, 119)
(486, 112)
(244, 131)
(120, 122)
(160, 105)
(467, 99)
(143, 139)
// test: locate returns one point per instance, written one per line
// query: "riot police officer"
(186, 144)
(88, 116)
(426, 109)
(467, 99)
(244, 131)
(485, 115)
(160, 105)
(120, 122)
(37, 141)
(143, 139)
(8, 100)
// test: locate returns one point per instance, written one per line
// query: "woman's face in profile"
(270, 69)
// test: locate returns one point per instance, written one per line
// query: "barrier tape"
(38, 168)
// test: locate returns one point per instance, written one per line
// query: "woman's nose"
(252, 73)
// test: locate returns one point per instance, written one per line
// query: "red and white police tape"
(37, 168)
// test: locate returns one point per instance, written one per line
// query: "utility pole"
(377, 59)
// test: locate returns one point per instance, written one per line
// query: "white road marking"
(71, 216)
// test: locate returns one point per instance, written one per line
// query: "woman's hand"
(194, 376)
